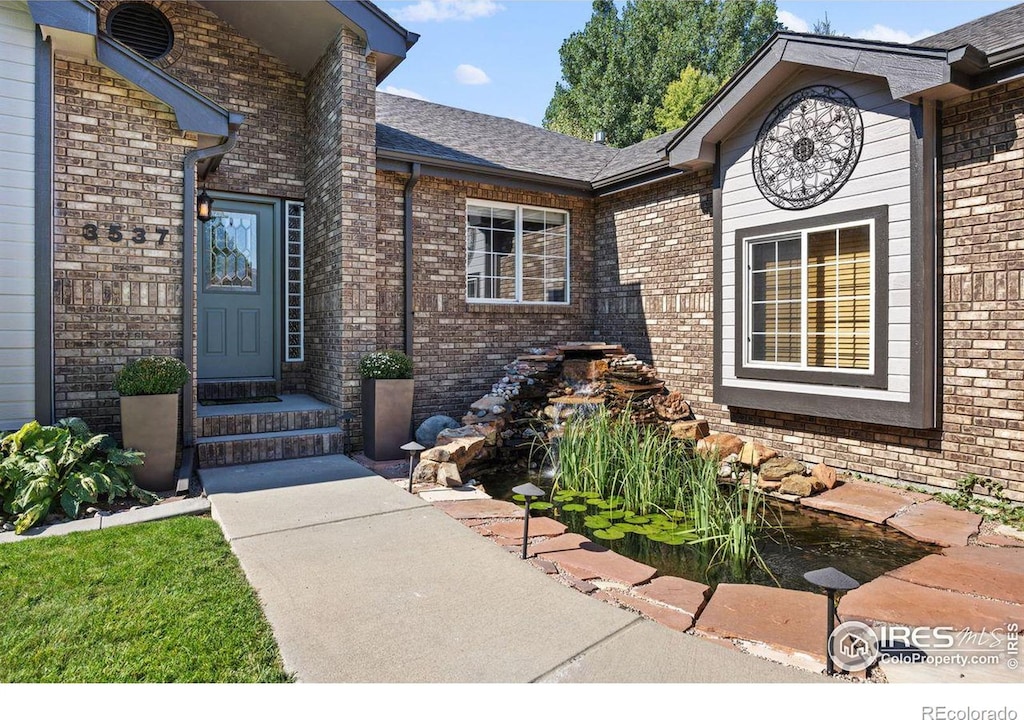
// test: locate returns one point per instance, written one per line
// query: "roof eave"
(908, 71)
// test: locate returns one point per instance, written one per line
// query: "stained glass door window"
(231, 241)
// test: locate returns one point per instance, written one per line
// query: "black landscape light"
(412, 448)
(204, 205)
(832, 581)
(528, 491)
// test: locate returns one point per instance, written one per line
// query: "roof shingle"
(991, 33)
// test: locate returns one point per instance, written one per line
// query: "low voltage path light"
(412, 448)
(529, 491)
(832, 581)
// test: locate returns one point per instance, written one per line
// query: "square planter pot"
(150, 423)
(387, 418)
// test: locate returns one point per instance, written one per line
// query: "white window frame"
(748, 244)
(518, 241)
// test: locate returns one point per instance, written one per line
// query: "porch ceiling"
(298, 32)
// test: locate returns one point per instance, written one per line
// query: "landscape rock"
(426, 433)
(750, 455)
(425, 472)
(488, 402)
(438, 454)
(720, 443)
(671, 407)
(796, 485)
(866, 501)
(463, 451)
(768, 485)
(690, 429)
(448, 475)
(825, 475)
(778, 468)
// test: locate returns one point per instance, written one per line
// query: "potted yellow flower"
(149, 389)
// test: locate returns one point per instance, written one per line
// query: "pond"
(802, 540)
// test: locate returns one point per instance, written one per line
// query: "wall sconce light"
(204, 204)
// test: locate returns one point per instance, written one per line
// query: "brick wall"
(459, 348)
(341, 216)
(654, 256)
(117, 159)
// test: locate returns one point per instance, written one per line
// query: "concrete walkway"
(362, 582)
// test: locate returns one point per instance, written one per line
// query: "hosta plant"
(43, 467)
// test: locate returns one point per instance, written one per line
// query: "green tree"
(683, 98)
(615, 71)
(823, 27)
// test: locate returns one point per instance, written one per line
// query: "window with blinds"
(810, 299)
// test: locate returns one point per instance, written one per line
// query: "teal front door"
(238, 290)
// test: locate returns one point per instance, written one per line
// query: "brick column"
(341, 217)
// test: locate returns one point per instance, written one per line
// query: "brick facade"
(460, 348)
(341, 216)
(655, 255)
(112, 301)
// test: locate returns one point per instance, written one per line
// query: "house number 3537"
(115, 233)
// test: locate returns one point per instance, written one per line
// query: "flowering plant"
(386, 365)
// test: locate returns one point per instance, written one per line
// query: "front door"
(237, 290)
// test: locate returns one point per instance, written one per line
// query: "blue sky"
(501, 56)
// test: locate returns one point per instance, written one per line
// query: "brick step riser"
(237, 390)
(240, 452)
(267, 422)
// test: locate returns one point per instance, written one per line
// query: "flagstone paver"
(669, 617)
(865, 501)
(588, 563)
(1001, 540)
(453, 494)
(685, 595)
(539, 527)
(789, 620)
(965, 576)
(478, 509)
(569, 541)
(937, 523)
(1011, 559)
(889, 600)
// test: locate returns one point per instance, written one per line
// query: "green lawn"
(158, 602)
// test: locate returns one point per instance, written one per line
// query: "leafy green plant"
(660, 484)
(386, 365)
(995, 505)
(151, 376)
(63, 465)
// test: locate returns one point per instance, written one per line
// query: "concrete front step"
(260, 447)
(227, 389)
(294, 412)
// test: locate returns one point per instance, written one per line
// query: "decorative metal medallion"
(807, 147)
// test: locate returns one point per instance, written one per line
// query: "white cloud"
(441, 10)
(471, 75)
(794, 23)
(392, 90)
(888, 34)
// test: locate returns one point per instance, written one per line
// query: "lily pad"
(638, 520)
(645, 529)
(613, 514)
(542, 505)
(609, 534)
(677, 514)
(574, 507)
(596, 522)
(624, 527)
(519, 498)
(589, 494)
(563, 497)
(595, 501)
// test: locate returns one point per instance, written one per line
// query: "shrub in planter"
(387, 403)
(149, 416)
(63, 465)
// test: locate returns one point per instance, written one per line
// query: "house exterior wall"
(17, 205)
(341, 219)
(982, 411)
(117, 162)
(880, 178)
(460, 348)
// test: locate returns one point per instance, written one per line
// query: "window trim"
(519, 208)
(878, 374)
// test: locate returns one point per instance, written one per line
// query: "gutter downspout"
(414, 177)
(192, 159)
